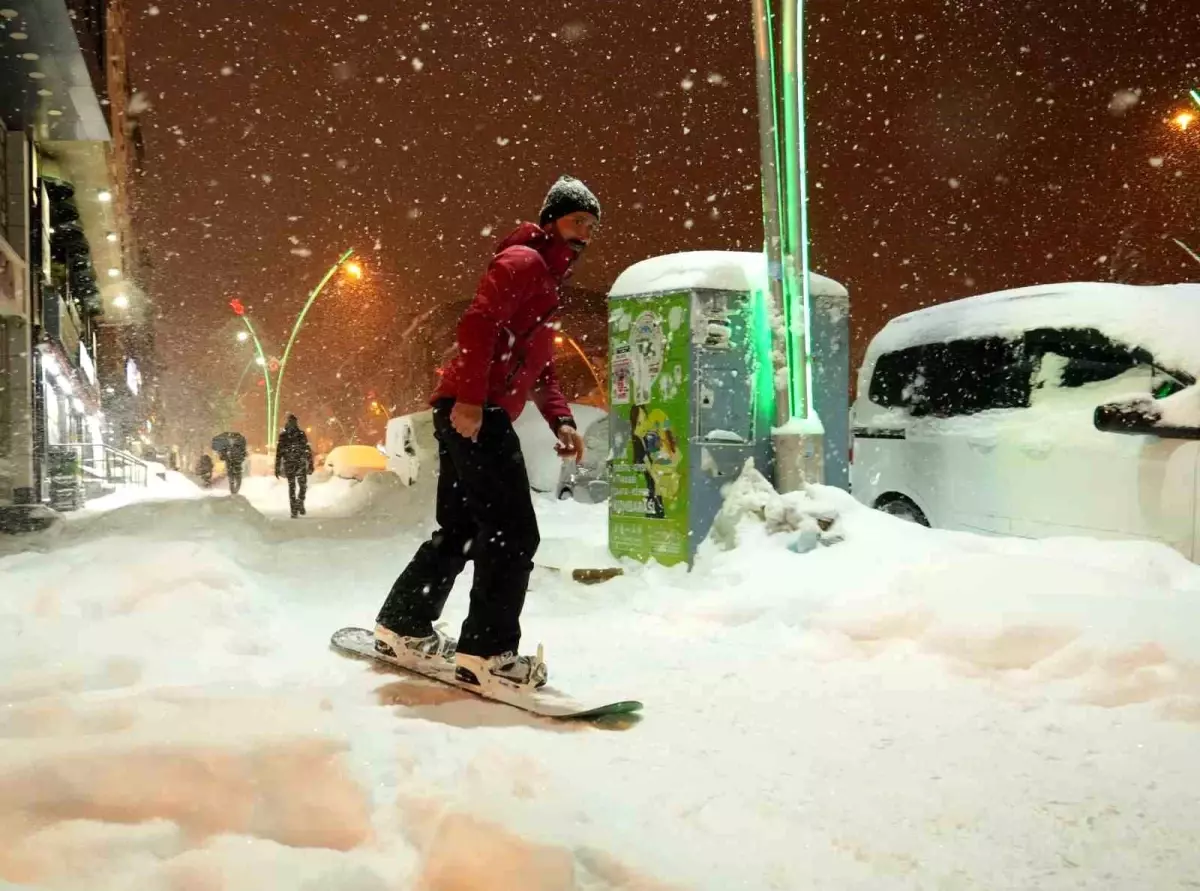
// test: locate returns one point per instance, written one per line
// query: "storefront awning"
(43, 74)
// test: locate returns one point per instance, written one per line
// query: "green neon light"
(797, 402)
(779, 177)
(266, 373)
(295, 330)
(1195, 94)
(764, 364)
(791, 171)
(798, 149)
(1191, 253)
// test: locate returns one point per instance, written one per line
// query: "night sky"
(955, 148)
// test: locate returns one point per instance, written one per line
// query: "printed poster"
(648, 502)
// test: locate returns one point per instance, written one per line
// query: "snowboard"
(546, 702)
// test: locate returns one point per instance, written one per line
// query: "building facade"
(75, 332)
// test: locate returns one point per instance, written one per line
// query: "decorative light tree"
(278, 367)
(352, 269)
(239, 310)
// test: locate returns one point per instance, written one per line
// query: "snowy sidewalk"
(907, 709)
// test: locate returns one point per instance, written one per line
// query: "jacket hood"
(559, 255)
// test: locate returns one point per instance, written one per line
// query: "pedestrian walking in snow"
(505, 356)
(294, 458)
(204, 470)
(231, 447)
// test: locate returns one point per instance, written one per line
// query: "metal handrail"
(115, 466)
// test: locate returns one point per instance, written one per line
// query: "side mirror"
(1141, 417)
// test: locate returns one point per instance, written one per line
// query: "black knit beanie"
(568, 196)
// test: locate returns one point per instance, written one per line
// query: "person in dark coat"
(294, 457)
(232, 449)
(504, 357)
(204, 470)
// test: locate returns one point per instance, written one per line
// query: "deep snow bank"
(1108, 623)
(905, 708)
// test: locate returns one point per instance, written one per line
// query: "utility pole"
(798, 432)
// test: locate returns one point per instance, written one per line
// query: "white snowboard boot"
(506, 670)
(413, 651)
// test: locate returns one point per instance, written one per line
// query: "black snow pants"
(297, 489)
(234, 472)
(485, 514)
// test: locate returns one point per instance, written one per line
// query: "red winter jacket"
(505, 338)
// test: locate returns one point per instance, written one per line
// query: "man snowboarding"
(294, 457)
(232, 449)
(504, 357)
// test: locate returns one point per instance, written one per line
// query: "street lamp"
(1184, 119)
(243, 336)
(352, 269)
(260, 359)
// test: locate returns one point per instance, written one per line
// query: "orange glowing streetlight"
(1184, 120)
(343, 261)
(354, 270)
(560, 339)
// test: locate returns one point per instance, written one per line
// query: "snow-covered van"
(1055, 410)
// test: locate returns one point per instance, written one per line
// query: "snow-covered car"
(355, 461)
(587, 480)
(542, 462)
(1004, 413)
(409, 446)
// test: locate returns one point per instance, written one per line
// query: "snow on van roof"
(1163, 319)
(715, 270)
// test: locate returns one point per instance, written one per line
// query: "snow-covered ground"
(905, 709)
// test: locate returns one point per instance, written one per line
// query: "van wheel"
(902, 508)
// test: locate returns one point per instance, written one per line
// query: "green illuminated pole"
(796, 204)
(1191, 253)
(1195, 94)
(271, 406)
(295, 330)
(797, 438)
(764, 52)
